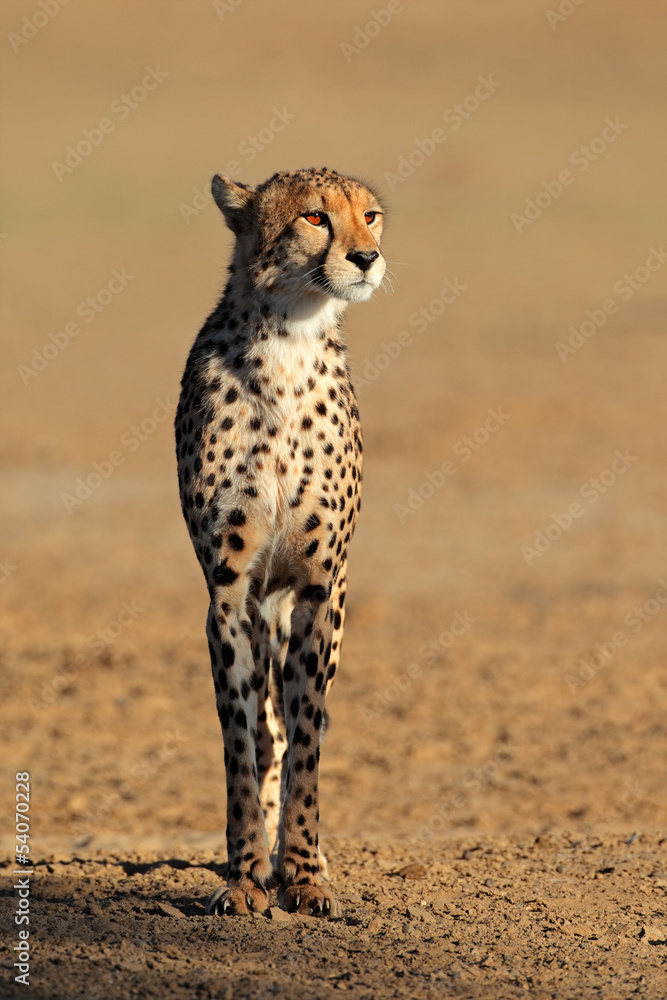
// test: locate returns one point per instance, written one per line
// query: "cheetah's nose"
(362, 258)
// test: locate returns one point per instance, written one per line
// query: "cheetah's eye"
(316, 218)
(370, 217)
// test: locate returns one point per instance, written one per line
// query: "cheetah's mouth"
(349, 291)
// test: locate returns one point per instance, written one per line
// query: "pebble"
(413, 870)
(167, 910)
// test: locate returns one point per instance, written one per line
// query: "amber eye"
(370, 217)
(316, 218)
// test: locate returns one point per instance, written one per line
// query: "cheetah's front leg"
(305, 683)
(249, 870)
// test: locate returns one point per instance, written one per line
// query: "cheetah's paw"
(235, 901)
(313, 900)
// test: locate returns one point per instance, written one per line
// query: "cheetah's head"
(305, 237)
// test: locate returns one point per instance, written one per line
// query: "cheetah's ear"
(233, 199)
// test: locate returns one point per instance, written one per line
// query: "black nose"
(362, 258)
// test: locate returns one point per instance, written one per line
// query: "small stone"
(413, 870)
(376, 925)
(167, 910)
(420, 914)
(489, 883)
(655, 934)
(279, 914)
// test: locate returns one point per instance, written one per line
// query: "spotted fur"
(269, 465)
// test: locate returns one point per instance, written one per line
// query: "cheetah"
(269, 454)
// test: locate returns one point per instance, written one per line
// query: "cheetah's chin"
(359, 291)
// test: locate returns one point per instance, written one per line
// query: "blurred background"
(502, 660)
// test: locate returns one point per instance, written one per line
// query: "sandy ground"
(499, 720)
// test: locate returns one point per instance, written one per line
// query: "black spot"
(312, 548)
(312, 522)
(240, 719)
(313, 592)
(317, 721)
(311, 664)
(294, 643)
(306, 423)
(237, 811)
(227, 654)
(227, 423)
(337, 620)
(310, 763)
(237, 518)
(224, 575)
(236, 542)
(321, 408)
(231, 396)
